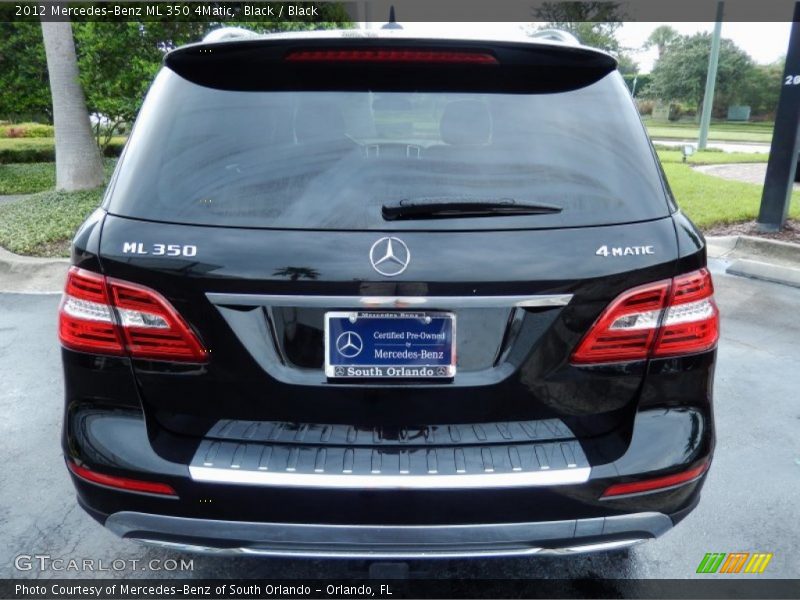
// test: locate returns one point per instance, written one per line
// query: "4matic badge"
(624, 250)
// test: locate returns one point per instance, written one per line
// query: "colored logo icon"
(734, 562)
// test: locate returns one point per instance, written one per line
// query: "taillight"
(666, 318)
(122, 483)
(86, 321)
(691, 322)
(108, 316)
(655, 484)
(391, 55)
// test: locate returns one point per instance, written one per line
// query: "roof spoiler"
(247, 62)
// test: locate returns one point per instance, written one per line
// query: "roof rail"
(225, 34)
(556, 35)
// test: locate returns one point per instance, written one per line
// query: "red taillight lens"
(666, 318)
(691, 323)
(391, 55)
(122, 483)
(150, 325)
(86, 321)
(110, 316)
(656, 483)
(627, 328)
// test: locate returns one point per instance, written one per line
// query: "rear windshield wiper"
(454, 208)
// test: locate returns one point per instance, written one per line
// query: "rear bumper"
(372, 542)
(255, 517)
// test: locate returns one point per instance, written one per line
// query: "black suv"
(373, 295)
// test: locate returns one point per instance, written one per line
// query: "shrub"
(26, 153)
(43, 150)
(26, 130)
(645, 106)
(675, 112)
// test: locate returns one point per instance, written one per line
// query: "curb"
(758, 258)
(765, 271)
(30, 275)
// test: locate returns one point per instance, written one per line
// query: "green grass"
(44, 224)
(748, 126)
(709, 200)
(13, 143)
(712, 158)
(28, 178)
(723, 132)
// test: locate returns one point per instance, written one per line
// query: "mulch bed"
(790, 232)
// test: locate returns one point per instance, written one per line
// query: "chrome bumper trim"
(390, 541)
(367, 302)
(391, 482)
(498, 553)
(298, 464)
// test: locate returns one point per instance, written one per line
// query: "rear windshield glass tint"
(332, 160)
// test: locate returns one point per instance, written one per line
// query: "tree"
(593, 23)
(118, 60)
(627, 66)
(24, 90)
(681, 73)
(762, 88)
(662, 37)
(78, 164)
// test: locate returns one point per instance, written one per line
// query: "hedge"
(26, 130)
(42, 150)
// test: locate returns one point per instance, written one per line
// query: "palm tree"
(78, 163)
(661, 37)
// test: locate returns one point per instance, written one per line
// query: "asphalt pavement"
(749, 504)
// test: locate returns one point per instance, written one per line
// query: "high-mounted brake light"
(666, 318)
(391, 55)
(655, 484)
(108, 316)
(122, 483)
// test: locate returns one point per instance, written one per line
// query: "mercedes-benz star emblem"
(389, 256)
(349, 344)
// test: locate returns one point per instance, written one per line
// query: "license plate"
(390, 345)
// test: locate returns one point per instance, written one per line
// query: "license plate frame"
(395, 340)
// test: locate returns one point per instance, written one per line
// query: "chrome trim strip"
(393, 482)
(598, 547)
(365, 554)
(353, 554)
(365, 302)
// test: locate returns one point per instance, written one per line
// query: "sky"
(764, 42)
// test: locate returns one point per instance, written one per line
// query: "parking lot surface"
(749, 504)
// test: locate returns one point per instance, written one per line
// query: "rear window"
(333, 159)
